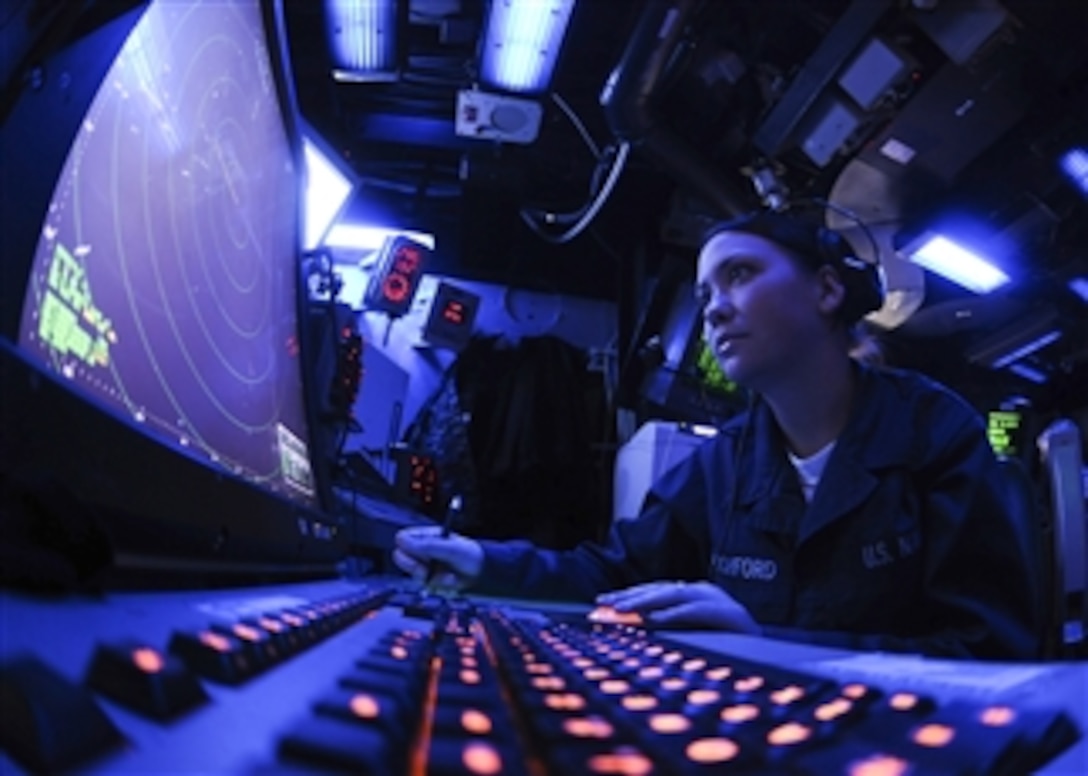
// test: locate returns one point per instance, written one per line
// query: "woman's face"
(762, 310)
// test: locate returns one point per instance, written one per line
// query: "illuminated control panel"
(396, 277)
(452, 317)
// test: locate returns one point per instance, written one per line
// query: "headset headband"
(816, 245)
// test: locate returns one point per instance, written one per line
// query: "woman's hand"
(696, 605)
(456, 561)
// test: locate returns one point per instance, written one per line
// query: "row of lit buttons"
(233, 652)
(162, 684)
(416, 702)
(715, 713)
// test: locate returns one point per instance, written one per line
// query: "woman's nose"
(718, 308)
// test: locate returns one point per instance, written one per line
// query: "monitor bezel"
(159, 508)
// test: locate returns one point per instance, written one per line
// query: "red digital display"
(396, 288)
(452, 317)
(454, 312)
(396, 277)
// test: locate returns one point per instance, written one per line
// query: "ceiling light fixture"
(522, 42)
(1028, 373)
(363, 39)
(1079, 286)
(1021, 338)
(953, 261)
(1074, 164)
(327, 189)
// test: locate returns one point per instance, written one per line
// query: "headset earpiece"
(817, 245)
(861, 279)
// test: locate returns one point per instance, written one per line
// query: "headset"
(818, 246)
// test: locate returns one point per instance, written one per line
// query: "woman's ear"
(831, 293)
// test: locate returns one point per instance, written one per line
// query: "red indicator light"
(454, 313)
(396, 288)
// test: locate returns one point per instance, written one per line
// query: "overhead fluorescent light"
(1021, 338)
(522, 42)
(941, 255)
(1028, 372)
(1074, 164)
(328, 188)
(1028, 348)
(1079, 286)
(363, 39)
(371, 238)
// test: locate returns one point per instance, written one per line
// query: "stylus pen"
(447, 525)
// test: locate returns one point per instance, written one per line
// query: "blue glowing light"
(522, 43)
(1036, 344)
(1074, 164)
(327, 191)
(1079, 286)
(362, 39)
(1028, 373)
(948, 259)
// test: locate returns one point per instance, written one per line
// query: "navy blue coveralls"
(907, 544)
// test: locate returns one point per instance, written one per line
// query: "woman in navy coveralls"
(850, 506)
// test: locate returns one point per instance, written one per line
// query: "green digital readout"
(1003, 430)
(294, 460)
(69, 322)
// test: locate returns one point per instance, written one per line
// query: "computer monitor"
(152, 247)
(688, 385)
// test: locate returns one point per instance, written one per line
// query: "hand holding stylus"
(438, 557)
(453, 510)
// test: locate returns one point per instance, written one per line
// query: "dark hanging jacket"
(907, 544)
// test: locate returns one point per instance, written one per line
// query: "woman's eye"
(736, 272)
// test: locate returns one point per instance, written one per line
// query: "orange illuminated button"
(217, 656)
(548, 683)
(748, 684)
(403, 688)
(712, 751)
(338, 744)
(476, 722)
(481, 757)
(254, 642)
(144, 679)
(587, 727)
(613, 686)
(674, 684)
(784, 696)
(859, 693)
(620, 762)
(271, 624)
(789, 734)
(669, 723)
(703, 697)
(934, 735)
(739, 713)
(608, 614)
(718, 673)
(363, 707)
(148, 660)
(639, 702)
(833, 709)
(997, 716)
(879, 764)
(285, 636)
(564, 701)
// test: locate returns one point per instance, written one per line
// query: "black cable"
(845, 213)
